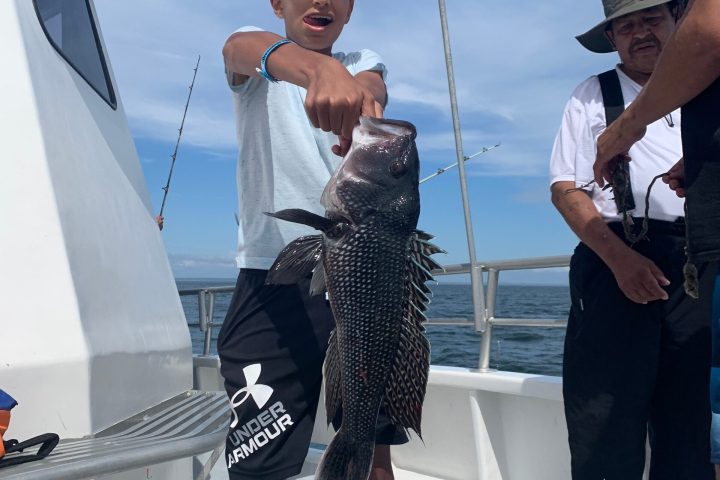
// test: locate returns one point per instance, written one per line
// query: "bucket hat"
(595, 39)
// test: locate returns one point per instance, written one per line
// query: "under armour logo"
(259, 393)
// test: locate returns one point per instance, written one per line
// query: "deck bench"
(189, 424)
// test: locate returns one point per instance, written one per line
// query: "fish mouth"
(373, 130)
(317, 21)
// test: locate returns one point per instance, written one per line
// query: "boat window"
(70, 27)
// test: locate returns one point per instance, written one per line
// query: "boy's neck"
(327, 51)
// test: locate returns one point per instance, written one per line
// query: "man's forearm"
(581, 215)
(689, 63)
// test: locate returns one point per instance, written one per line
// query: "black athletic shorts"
(272, 346)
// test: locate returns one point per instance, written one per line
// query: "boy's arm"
(689, 63)
(335, 100)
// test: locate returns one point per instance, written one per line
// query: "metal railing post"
(202, 310)
(476, 278)
(206, 309)
(210, 324)
(486, 341)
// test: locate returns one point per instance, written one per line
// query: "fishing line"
(440, 171)
(628, 234)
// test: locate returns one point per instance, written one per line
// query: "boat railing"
(482, 323)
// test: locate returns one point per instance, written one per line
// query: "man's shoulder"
(588, 90)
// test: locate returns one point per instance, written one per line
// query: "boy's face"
(314, 24)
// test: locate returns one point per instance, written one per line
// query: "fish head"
(379, 175)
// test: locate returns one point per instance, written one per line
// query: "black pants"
(631, 370)
(272, 346)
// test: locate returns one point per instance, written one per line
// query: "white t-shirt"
(283, 161)
(576, 146)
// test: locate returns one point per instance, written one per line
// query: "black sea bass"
(374, 265)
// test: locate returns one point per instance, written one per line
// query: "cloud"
(515, 63)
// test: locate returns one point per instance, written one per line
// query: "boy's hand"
(344, 143)
(335, 101)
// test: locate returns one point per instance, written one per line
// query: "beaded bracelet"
(263, 60)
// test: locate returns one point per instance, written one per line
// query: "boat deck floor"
(313, 458)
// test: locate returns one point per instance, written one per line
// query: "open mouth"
(318, 21)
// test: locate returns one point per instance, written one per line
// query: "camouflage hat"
(595, 39)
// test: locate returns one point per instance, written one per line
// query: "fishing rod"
(177, 144)
(440, 171)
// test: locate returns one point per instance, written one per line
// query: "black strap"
(614, 106)
(47, 442)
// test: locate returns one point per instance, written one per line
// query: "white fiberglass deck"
(488, 426)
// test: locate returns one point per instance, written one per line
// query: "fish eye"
(337, 231)
(398, 168)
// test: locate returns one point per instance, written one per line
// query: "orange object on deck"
(4, 423)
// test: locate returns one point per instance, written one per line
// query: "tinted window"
(71, 29)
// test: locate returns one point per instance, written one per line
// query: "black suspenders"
(614, 106)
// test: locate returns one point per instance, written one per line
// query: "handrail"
(206, 301)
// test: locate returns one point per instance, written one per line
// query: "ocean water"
(520, 349)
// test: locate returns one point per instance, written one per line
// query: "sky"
(516, 64)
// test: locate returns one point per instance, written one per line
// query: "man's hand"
(675, 178)
(639, 278)
(615, 141)
(335, 101)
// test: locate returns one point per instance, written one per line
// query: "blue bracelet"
(263, 60)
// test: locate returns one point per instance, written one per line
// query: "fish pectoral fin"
(296, 261)
(317, 284)
(297, 215)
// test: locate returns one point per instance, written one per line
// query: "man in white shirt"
(637, 349)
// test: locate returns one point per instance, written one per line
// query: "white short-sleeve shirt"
(283, 161)
(576, 146)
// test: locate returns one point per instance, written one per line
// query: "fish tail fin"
(346, 460)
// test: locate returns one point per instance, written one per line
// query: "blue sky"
(516, 64)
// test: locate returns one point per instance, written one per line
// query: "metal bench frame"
(189, 424)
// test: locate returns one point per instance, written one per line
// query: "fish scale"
(366, 334)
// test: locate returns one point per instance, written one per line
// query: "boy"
(293, 100)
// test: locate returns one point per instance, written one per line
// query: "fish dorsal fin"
(405, 390)
(296, 261)
(331, 373)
